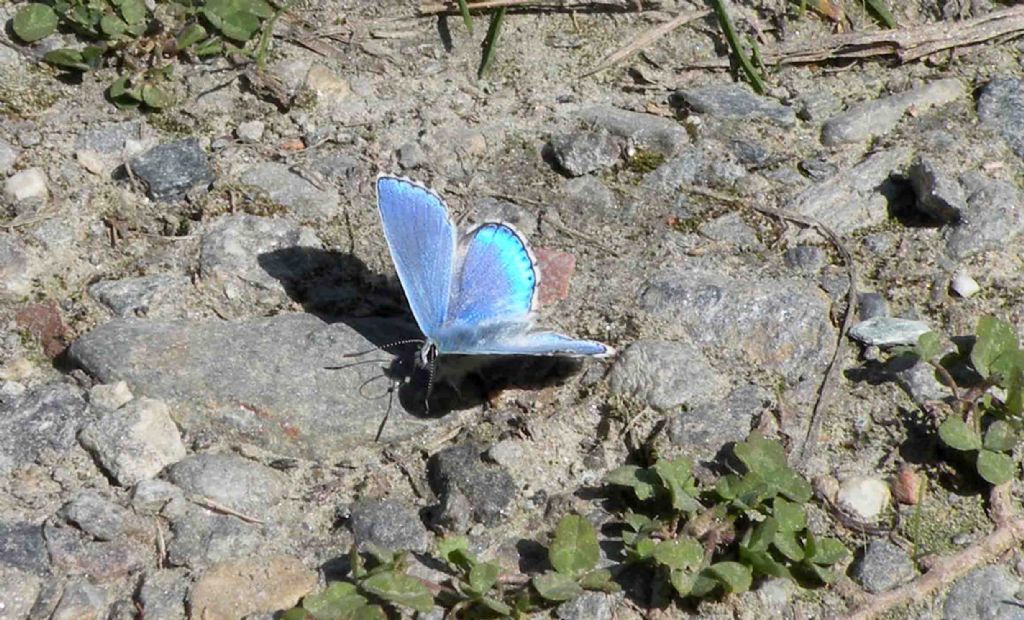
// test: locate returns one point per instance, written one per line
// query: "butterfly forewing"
(496, 278)
(421, 238)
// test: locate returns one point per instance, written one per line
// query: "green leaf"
(296, 613)
(259, 8)
(400, 589)
(600, 579)
(993, 339)
(762, 563)
(814, 571)
(93, 54)
(556, 586)
(929, 346)
(761, 535)
(133, 11)
(496, 606)
(828, 551)
(156, 97)
(1000, 436)
(67, 58)
(113, 26)
(682, 582)
(190, 35)
(760, 455)
(680, 553)
(642, 550)
(240, 26)
(793, 486)
(211, 47)
(788, 545)
(34, 21)
(734, 576)
(959, 435)
(491, 40)
(996, 467)
(455, 551)
(638, 522)
(676, 477)
(644, 482)
(338, 600)
(483, 576)
(574, 550)
(791, 516)
(679, 470)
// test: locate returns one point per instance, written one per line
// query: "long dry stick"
(946, 570)
(646, 38)
(905, 45)
(806, 448)
(451, 7)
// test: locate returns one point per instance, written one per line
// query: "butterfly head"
(428, 354)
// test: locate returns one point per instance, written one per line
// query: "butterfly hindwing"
(516, 339)
(421, 238)
(496, 279)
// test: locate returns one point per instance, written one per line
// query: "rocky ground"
(171, 439)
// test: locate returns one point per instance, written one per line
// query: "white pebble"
(250, 131)
(110, 396)
(26, 184)
(964, 285)
(863, 497)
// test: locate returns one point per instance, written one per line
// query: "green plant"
(987, 418)
(144, 46)
(750, 524)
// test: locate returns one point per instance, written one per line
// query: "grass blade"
(491, 41)
(882, 12)
(737, 48)
(466, 17)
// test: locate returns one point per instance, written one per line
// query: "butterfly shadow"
(337, 287)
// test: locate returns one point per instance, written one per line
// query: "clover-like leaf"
(929, 346)
(156, 97)
(993, 339)
(190, 35)
(682, 581)
(557, 587)
(1000, 436)
(599, 579)
(760, 455)
(996, 467)
(67, 58)
(681, 553)
(483, 576)
(495, 606)
(677, 478)
(762, 563)
(644, 482)
(788, 545)
(574, 549)
(455, 551)
(133, 11)
(793, 485)
(34, 21)
(400, 589)
(240, 26)
(642, 549)
(827, 551)
(759, 537)
(113, 26)
(734, 576)
(791, 516)
(338, 600)
(959, 435)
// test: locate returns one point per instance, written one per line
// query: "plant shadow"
(338, 287)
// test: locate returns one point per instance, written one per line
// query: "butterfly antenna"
(385, 347)
(353, 364)
(387, 414)
(430, 385)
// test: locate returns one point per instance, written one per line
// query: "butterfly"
(471, 294)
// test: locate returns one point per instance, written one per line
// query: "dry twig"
(452, 8)
(645, 39)
(905, 44)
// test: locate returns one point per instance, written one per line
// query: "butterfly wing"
(497, 278)
(516, 339)
(421, 237)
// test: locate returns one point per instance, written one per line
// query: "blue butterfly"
(470, 295)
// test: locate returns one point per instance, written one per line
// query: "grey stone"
(994, 216)
(163, 593)
(172, 169)
(200, 538)
(886, 331)
(22, 547)
(855, 198)
(665, 375)
(137, 296)
(703, 430)
(677, 172)
(733, 101)
(730, 228)
(81, 601)
(109, 138)
(295, 193)
(1001, 107)
(778, 324)
(489, 209)
(986, 593)
(751, 154)
(817, 105)
(805, 258)
(939, 194)
(411, 155)
(587, 197)
(150, 496)
(879, 116)
(389, 524)
(46, 417)
(818, 168)
(581, 152)
(588, 606)
(76, 553)
(16, 268)
(101, 518)
(18, 591)
(49, 595)
(265, 254)
(882, 566)
(110, 397)
(250, 131)
(232, 481)
(642, 131)
(261, 381)
(134, 442)
(488, 488)
(871, 305)
(8, 155)
(28, 186)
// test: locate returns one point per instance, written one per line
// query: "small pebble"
(964, 285)
(250, 131)
(25, 185)
(863, 497)
(886, 331)
(906, 487)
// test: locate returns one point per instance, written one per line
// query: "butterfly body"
(474, 294)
